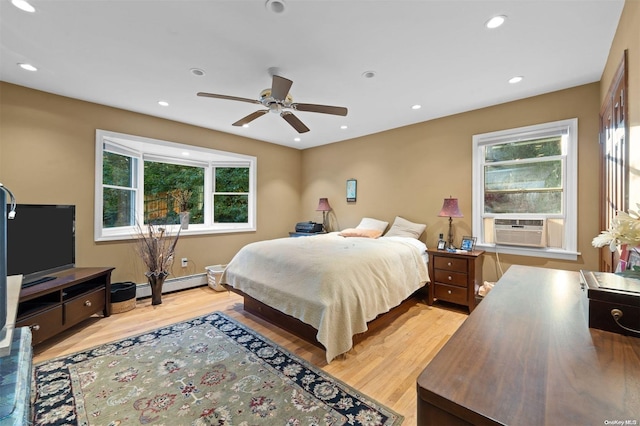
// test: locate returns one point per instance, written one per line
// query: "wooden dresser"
(526, 356)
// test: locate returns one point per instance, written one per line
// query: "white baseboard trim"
(173, 284)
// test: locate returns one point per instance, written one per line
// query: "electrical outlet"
(184, 262)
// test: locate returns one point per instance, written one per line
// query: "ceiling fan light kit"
(278, 101)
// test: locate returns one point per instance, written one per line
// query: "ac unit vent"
(521, 232)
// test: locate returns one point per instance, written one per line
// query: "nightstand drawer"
(450, 264)
(451, 278)
(450, 293)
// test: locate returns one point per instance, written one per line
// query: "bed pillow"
(403, 228)
(369, 223)
(366, 233)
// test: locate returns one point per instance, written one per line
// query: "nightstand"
(455, 276)
(304, 234)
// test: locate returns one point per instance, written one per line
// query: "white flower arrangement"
(624, 229)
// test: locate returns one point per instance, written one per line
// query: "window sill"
(548, 252)
(130, 233)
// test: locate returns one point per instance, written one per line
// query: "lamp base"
(450, 240)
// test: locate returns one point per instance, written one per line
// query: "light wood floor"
(384, 365)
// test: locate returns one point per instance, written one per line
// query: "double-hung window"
(141, 181)
(527, 176)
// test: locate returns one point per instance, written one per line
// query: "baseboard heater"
(173, 284)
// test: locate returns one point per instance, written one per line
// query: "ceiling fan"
(278, 101)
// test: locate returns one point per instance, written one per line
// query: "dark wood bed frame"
(307, 332)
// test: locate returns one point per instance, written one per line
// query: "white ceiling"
(132, 54)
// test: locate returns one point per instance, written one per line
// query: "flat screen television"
(41, 241)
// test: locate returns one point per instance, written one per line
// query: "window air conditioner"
(521, 232)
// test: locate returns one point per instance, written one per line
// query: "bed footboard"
(307, 332)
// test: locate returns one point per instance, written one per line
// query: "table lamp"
(324, 207)
(450, 209)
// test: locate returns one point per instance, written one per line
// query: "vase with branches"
(182, 197)
(156, 247)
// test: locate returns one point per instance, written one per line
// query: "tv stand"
(38, 281)
(72, 296)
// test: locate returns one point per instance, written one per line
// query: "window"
(528, 173)
(142, 180)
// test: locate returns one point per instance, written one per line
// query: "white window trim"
(155, 148)
(570, 251)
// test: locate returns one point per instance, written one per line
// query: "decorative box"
(613, 302)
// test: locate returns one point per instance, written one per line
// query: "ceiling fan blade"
(249, 118)
(324, 109)
(280, 87)
(294, 121)
(230, 98)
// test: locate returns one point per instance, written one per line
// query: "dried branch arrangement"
(182, 197)
(156, 247)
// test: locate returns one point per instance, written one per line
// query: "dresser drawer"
(84, 306)
(451, 278)
(450, 293)
(450, 264)
(43, 324)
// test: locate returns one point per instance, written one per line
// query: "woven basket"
(123, 297)
(119, 307)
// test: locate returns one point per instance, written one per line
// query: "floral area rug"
(205, 371)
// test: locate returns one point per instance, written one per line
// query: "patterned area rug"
(208, 370)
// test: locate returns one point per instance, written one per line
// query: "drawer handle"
(87, 303)
(617, 314)
(449, 278)
(34, 327)
(448, 263)
(449, 291)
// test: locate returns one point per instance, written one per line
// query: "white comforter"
(332, 283)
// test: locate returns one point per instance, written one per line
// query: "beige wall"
(47, 155)
(628, 38)
(410, 170)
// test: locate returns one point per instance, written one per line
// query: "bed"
(331, 285)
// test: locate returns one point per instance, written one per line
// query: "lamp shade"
(450, 208)
(323, 205)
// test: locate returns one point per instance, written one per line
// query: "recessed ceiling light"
(23, 5)
(28, 67)
(516, 79)
(246, 126)
(369, 74)
(163, 103)
(275, 6)
(186, 153)
(344, 126)
(197, 72)
(416, 106)
(495, 22)
(296, 139)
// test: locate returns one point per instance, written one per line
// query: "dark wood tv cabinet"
(526, 356)
(74, 295)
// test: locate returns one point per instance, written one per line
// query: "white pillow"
(368, 223)
(403, 228)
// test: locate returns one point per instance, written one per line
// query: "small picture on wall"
(351, 190)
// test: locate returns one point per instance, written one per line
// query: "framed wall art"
(352, 190)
